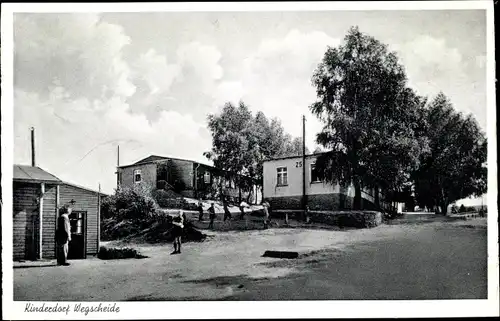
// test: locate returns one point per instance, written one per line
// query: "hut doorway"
(77, 249)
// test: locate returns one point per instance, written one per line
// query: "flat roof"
(24, 173)
(291, 157)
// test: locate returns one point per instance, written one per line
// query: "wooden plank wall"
(25, 215)
(84, 201)
(49, 222)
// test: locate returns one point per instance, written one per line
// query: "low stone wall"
(319, 202)
(359, 219)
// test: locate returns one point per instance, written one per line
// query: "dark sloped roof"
(156, 158)
(149, 159)
(33, 174)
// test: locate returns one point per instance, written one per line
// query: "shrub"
(161, 184)
(130, 203)
(462, 209)
(167, 198)
(118, 253)
(179, 186)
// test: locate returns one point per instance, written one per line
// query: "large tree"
(369, 116)
(455, 168)
(241, 142)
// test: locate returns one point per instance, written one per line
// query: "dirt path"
(403, 262)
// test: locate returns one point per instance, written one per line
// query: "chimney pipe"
(117, 168)
(33, 163)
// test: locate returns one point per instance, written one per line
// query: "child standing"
(266, 214)
(200, 210)
(178, 228)
(227, 213)
(211, 211)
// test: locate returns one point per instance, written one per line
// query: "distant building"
(283, 182)
(37, 197)
(189, 178)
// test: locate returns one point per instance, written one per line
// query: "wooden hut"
(37, 197)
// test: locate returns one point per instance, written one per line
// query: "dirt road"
(427, 261)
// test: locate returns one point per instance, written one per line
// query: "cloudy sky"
(146, 81)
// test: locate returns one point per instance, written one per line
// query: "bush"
(179, 186)
(161, 184)
(129, 203)
(167, 198)
(118, 253)
(462, 209)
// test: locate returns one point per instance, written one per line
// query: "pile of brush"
(157, 229)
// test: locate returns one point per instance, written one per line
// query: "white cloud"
(277, 78)
(200, 63)
(433, 66)
(61, 145)
(232, 91)
(76, 51)
(154, 69)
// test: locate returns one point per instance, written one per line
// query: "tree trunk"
(357, 195)
(377, 198)
(444, 207)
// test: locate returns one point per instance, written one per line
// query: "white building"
(283, 186)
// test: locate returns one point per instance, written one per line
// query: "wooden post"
(99, 218)
(304, 196)
(40, 222)
(57, 216)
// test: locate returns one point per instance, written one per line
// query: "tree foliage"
(370, 116)
(455, 168)
(241, 141)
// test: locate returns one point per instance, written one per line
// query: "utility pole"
(304, 196)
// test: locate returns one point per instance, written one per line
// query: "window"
(314, 174)
(206, 178)
(282, 176)
(137, 176)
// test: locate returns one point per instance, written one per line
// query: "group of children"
(227, 213)
(178, 222)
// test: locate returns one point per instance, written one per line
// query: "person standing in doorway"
(177, 231)
(211, 211)
(63, 236)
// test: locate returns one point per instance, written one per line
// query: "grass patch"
(119, 253)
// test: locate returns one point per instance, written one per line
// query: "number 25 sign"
(298, 164)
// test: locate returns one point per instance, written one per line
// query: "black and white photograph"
(316, 155)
